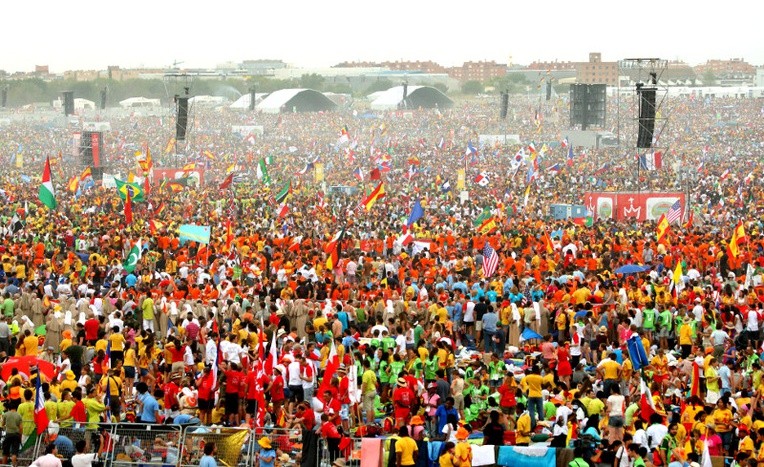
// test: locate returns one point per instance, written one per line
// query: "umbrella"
(23, 364)
(631, 269)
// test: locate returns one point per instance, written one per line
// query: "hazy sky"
(89, 34)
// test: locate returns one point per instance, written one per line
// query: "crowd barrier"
(145, 445)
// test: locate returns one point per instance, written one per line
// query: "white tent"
(83, 104)
(208, 100)
(416, 97)
(299, 100)
(132, 102)
(243, 101)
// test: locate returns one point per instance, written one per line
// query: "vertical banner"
(318, 172)
(95, 144)
(20, 160)
(460, 179)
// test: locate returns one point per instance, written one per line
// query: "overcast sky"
(89, 34)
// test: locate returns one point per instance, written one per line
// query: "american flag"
(674, 213)
(490, 261)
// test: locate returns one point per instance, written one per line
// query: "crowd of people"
(318, 317)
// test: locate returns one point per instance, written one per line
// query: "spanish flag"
(73, 184)
(662, 227)
(333, 250)
(155, 225)
(190, 166)
(738, 237)
(378, 193)
(87, 173)
(170, 146)
(209, 155)
(548, 244)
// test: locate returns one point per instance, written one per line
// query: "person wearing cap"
(403, 400)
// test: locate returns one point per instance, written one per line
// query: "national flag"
(445, 187)
(646, 404)
(413, 172)
(688, 224)
(527, 194)
(603, 168)
(332, 365)
(674, 213)
(413, 160)
(284, 193)
(262, 172)
(40, 415)
(742, 238)
(87, 173)
(705, 458)
(694, 379)
(471, 150)
(304, 170)
(482, 179)
(548, 244)
(15, 224)
(487, 226)
(73, 184)
(375, 174)
(46, 192)
(344, 135)
(406, 237)
(662, 227)
(136, 192)
(227, 182)
(175, 186)
(490, 260)
(230, 169)
(531, 148)
(738, 237)
(128, 209)
(295, 245)
(701, 166)
(652, 161)
(416, 213)
(155, 225)
(333, 250)
(376, 194)
(677, 278)
(132, 258)
(273, 356)
(189, 167)
(569, 159)
(170, 146)
(554, 169)
(282, 210)
(358, 174)
(724, 175)
(565, 143)
(209, 155)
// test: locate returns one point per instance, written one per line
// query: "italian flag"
(46, 193)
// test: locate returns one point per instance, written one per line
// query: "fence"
(146, 445)
(234, 445)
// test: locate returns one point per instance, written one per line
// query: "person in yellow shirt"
(406, 449)
(533, 381)
(746, 443)
(64, 409)
(523, 427)
(463, 450)
(30, 344)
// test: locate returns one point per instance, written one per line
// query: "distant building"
(736, 68)
(595, 71)
(478, 71)
(41, 70)
(262, 67)
(553, 66)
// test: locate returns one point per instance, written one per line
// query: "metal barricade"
(347, 448)
(289, 444)
(31, 444)
(146, 445)
(234, 445)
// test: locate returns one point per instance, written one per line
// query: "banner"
(646, 206)
(194, 233)
(460, 179)
(197, 174)
(318, 172)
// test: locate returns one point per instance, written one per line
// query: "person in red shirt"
(234, 380)
(79, 413)
(305, 416)
(206, 387)
(276, 390)
(344, 396)
(403, 399)
(508, 398)
(331, 434)
(171, 391)
(92, 326)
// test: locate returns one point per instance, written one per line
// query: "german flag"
(333, 250)
(378, 193)
(662, 227)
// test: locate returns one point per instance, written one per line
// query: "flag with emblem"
(136, 192)
(132, 258)
(46, 192)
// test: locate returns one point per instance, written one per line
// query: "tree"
(709, 77)
(312, 81)
(381, 84)
(472, 87)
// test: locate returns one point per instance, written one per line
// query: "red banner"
(632, 205)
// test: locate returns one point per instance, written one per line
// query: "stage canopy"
(419, 97)
(295, 100)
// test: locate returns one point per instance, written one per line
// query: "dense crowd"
(263, 326)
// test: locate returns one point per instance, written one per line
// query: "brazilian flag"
(136, 192)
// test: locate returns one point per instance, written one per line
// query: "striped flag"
(674, 213)
(490, 260)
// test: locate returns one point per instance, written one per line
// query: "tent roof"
(303, 100)
(243, 101)
(138, 101)
(417, 96)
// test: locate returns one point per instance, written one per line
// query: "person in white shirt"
(656, 432)
(83, 459)
(211, 350)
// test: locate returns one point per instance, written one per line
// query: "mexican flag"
(46, 193)
(132, 259)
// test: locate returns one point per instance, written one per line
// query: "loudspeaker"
(646, 116)
(68, 102)
(504, 105)
(91, 151)
(588, 104)
(103, 99)
(4, 97)
(182, 120)
(252, 98)
(548, 89)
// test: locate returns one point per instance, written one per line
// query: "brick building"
(477, 71)
(595, 71)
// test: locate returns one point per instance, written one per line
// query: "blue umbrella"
(631, 269)
(529, 334)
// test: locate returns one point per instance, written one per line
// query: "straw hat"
(264, 443)
(339, 462)
(402, 383)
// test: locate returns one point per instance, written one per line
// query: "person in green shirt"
(388, 342)
(26, 410)
(396, 367)
(637, 453)
(431, 369)
(11, 421)
(368, 391)
(418, 332)
(666, 320)
(384, 372)
(8, 306)
(94, 409)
